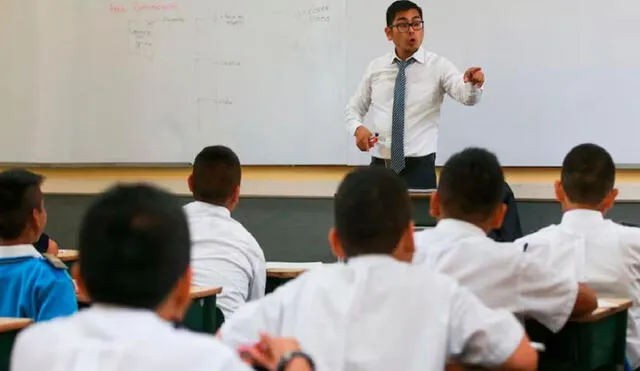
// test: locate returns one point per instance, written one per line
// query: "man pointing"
(402, 92)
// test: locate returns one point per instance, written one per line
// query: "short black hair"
(471, 185)
(588, 174)
(372, 210)
(20, 194)
(216, 173)
(398, 7)
(134, 246)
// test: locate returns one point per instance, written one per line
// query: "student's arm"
(549, 297)
(453, 84)
(257, 317)
(258, 273)
(55, 297)
(359, 103)
(586, 301)
(480, 336)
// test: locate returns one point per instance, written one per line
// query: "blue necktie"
(397, 121)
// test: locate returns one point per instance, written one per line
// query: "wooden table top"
(604, 311)
(67, 255)
(196, 292)
(289, 269)
(420, 193)
(12, 324)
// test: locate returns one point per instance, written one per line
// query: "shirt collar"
(208, 208)
(581, 217)
(114, 322)
(419, 56)
(458, 227)
(371, 259)
(18, 251)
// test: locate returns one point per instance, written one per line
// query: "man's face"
(406, 31)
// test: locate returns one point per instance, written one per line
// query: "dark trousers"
(418, 172)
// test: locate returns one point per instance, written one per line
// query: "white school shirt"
(599, 252)
(118, 339)
(497, 272)
(375, 313)
(224, 253)
(429, 78)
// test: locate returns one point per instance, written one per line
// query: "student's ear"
(559, 190)
(498, 216)
(336, 245)
(608, 201)
(235, 198)
(434, 205)
(181, 296)
(407, 247)
(190, 182)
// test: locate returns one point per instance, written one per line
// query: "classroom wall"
(289, 227)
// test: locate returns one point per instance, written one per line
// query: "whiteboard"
(123, 81)
(89, 81)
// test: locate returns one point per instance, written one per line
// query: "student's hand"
(475, 76)
(270, 350)
(53, 247)
(362, 138)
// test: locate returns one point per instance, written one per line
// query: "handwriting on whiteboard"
(316, 14)
(140, 38)
(160, 6)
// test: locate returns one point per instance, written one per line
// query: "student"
(134, 264)
(223, 252)
(46, 245)
(468, 204)
(585, 245)
(377, 312)
(31, 285)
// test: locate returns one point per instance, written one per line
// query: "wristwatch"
(288, 357)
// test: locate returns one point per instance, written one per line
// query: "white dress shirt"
(376, 313)
(117, 339)
(599, 252)
(428, 80)
(224, 253)
(498, 273)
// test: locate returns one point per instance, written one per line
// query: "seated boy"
(587, 247)
(134, 264)
(377, 312)
(46, 245)
(31, 285)
(468, 204)
(223, 252)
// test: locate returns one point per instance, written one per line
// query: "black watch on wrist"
(288, 357)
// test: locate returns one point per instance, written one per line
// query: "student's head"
(405, 27)
(22, 213)
(215, 178)
(134, 251)
(471, 189)
(372, 215)
(587, 179)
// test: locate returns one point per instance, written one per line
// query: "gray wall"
(292, 229)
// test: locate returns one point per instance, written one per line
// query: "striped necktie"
(397, 121)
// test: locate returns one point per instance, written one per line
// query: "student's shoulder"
(45, 332)
(203, 347)
(628, 234)
(540, 237)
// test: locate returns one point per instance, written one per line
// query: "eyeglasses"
(404, 27)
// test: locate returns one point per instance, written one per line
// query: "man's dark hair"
(133, 247)
(20, 194)
(372, 210)
(471, 185)
(398, 7)
(216, 173)
(588, 174)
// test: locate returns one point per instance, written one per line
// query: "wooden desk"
(9, 329)
(279, 273)
(202, 316)
(69, 257)
(596, 341)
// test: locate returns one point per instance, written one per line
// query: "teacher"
(402, 92)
